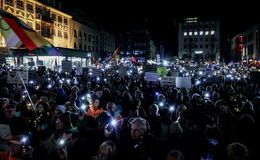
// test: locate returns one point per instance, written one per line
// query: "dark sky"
(161, 17)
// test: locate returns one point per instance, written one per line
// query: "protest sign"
(5, 132)
(13, 77)
(151, 76)
(66, 66)
(162, 70)
(168, 81)
(183, 82)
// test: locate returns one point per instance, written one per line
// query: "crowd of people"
(115, 116)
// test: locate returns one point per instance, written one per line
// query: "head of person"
(111, 107)
(73, 97)
(9, 111)
(41, 106)
(180, 96)
(63, 122)
(4, 102)
(96, 103)
(75, 89)
(196, 99)
(237, 151)
(139, 126)
(5, 91)
(247, 107)
(175, 155)
(107, 151)
(133, 112)
(179, 109)
(59, 109)
(138, 94)
(154, 110)
(221, 106)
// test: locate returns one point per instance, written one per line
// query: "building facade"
(236, 48)
(52, 24)
(62, 29)
(199, 39)
(107, 43)
(251, 45)
(137, 43)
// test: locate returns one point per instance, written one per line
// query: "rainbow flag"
(134, 60)
(113, 57)
(17, 33)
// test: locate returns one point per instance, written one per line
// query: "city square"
(75, 85)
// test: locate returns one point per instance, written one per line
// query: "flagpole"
(27, 93)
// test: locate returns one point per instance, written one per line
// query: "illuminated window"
(65, 35)
(19, 4)
(9, 2)
(59, 19)
(207, 33)
(59, 33)
(185, 33)
(212, 32)
(195, 33)
(201, 32)
(190, 33)
(65, 21)
(29, 7)
(75, 33)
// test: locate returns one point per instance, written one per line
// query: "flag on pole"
(16, 33)
(134, 60)
(113, 57)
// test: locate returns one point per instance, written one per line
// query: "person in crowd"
(175, 155)
(141, 145)
(237, 151)
(107, 151)
(95, 109)
(58, 145)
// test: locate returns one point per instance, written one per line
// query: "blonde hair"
(110, 150)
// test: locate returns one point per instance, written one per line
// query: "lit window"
(212, 32)
(201, 32)
(185, 34)
(190, 33)
(207, 33)
(196, 33)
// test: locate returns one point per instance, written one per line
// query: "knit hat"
(61, 108)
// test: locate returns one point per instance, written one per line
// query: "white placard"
(175, 74)
(79, 70)
(5, 132)
(66, 66)
(183, 82)
(40, 63)
(151, 76)
(168, 81)
(13, 77)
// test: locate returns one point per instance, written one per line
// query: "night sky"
(161, 18)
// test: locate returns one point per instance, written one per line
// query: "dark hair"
(66, 119)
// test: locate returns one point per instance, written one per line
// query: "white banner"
(183, 82)
(168, 81)
(151, 76)
(66, 66)
(79, 70)
(5, 132)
